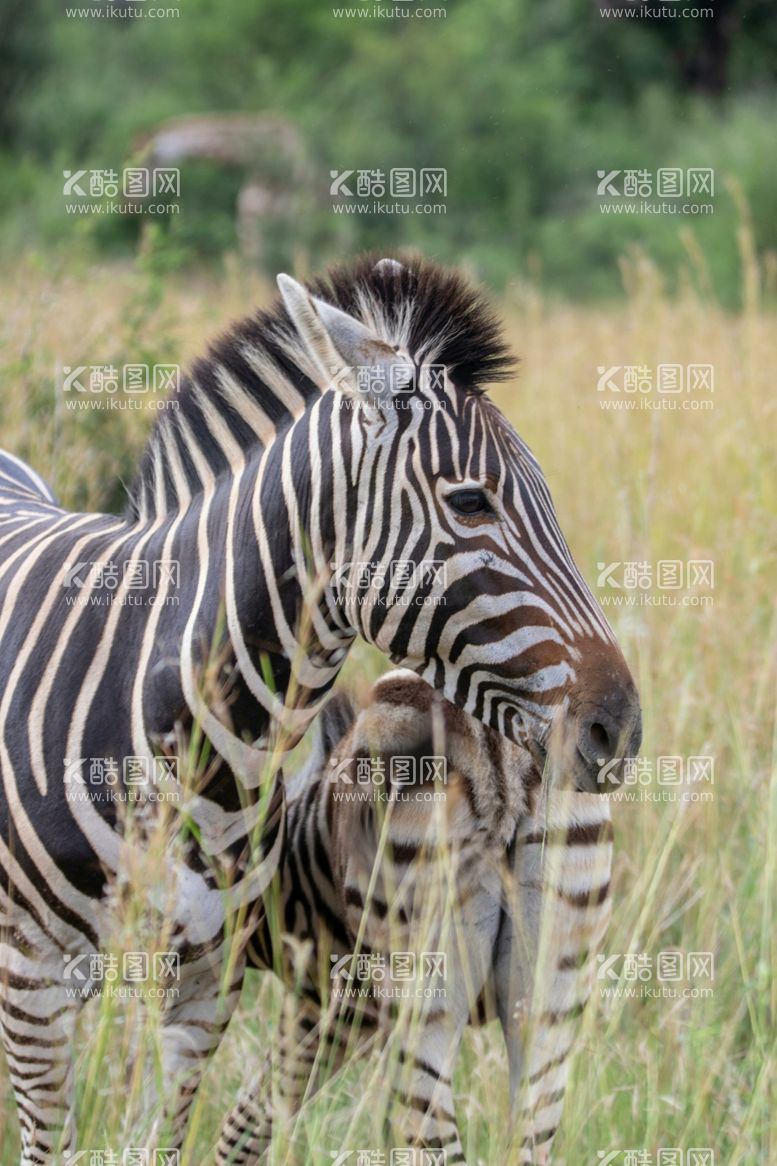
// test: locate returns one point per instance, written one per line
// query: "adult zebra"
(264, 487)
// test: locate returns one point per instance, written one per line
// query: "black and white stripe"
(506, 876)
(263, 481)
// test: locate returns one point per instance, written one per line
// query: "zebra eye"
(469, 502)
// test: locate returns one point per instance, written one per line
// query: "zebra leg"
(38, 1020)
(555, 918)
(429, 1044)
(540, 1069)
(246, 1132)
(193, 1026)
(276, 1093)
(538, 1027)
(423, 1111)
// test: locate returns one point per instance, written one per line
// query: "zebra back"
(17, 476)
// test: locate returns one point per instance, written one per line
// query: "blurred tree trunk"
(705, 66)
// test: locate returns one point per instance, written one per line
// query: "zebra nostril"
(604, 737)
(600, 738)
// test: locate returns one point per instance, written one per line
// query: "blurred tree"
(711, 54)
(521, 103)
(23, 57)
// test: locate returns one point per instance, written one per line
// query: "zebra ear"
(344, 352)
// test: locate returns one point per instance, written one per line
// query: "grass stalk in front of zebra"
(650, 1072)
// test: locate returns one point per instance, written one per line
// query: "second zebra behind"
(488, 890)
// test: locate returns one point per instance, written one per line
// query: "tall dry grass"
(637, 485)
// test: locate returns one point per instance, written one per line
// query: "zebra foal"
(504, 880)
(278, 475)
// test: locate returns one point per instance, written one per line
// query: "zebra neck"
(257, 640)
(236, 402)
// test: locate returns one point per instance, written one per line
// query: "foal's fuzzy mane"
(252, 384)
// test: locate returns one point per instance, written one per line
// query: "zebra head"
(446, 551)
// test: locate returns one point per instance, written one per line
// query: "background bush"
(521, 102)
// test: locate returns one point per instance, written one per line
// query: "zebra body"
(268, 477)
(64, 839)
(504, 878)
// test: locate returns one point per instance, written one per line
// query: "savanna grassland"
(692, 875)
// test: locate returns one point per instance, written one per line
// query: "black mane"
(429, 310)
(448, 317)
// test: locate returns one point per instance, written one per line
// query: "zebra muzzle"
(606, 737)
(588, 746)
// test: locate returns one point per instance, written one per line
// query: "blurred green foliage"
(521, 102)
